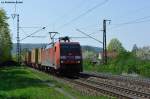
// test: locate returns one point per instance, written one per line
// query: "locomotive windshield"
(70, 48)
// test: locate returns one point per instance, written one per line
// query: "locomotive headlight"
(78, 61)
(63, 57)
(77, 57)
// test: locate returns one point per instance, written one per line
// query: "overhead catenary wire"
(23, 31)
(83, 14)
(69, 12)
(89, 36)
(131, 12)
(139, 20)
(133, 21)
(44, 36)
(31, 27)
(33, 33)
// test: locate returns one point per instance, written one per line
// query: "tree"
(115, 45)
(5, 39)
(135, 48)
(143, 53)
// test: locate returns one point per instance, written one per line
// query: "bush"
(125, 62)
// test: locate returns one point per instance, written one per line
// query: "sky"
(130, 20)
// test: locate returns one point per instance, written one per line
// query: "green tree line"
(133, 62)
(5, 39)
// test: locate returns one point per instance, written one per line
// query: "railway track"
(135, 80)
(117, 91)
(89, 84)
(97, 87)
(106, 87)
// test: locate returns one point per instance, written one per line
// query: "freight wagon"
(61, 57)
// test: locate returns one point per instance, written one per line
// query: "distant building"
(112, 54)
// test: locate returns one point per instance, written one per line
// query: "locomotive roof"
(50, 46)
(67, 42)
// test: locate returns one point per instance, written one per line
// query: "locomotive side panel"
(43, 57)
(57, 56)
(51, 57)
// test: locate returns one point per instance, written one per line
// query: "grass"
(26, 83)
(20, 83)
(67, 88)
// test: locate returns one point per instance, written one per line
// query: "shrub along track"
(99, 85)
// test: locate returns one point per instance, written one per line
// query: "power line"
(32, 27)
(70, 11)
(134, 21)
(22, 28)
(23, 31)
(89, 36)
(131, 12)
(67, 13)
(83, 14)
(139, 20)
(89, 26)
(38, 36)
(33, 33)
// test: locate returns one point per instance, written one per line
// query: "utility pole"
(18, 50)
(18, 42)
(105, 42)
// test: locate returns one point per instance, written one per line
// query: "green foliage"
(125, 62)
(26, 83)
(115, 45)
(136, 61)
(5, 39)
(143, 53)
(20, 83)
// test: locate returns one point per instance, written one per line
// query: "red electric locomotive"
(64, 56)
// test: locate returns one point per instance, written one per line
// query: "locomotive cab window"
(65, 49)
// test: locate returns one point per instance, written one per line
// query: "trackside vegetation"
(123, 64)
(20, 83)
(26, 83)
(5, 39)
(126, 62)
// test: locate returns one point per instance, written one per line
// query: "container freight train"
(63, 57)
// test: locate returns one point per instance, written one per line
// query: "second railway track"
(115, 90)
(88, 85)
